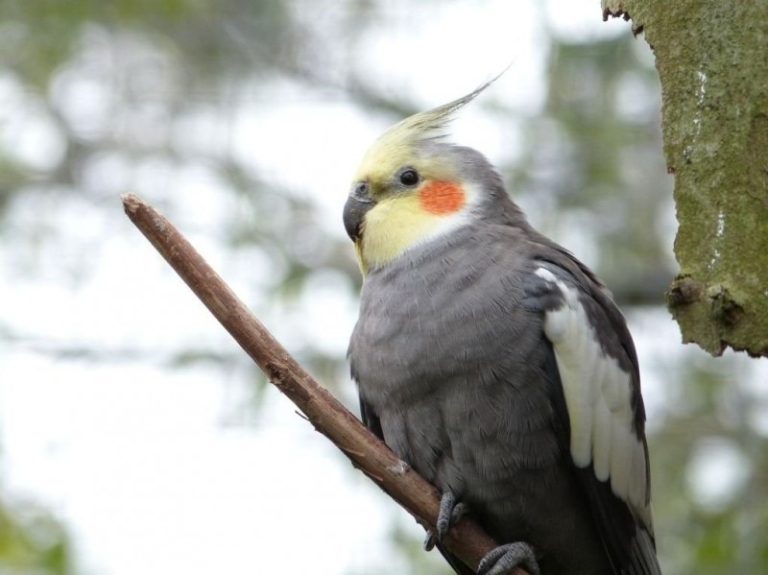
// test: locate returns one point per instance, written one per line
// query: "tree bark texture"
(466, 539)
(712, 59)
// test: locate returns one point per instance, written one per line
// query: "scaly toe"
(450, 513)
(504, 558)
(445, 515)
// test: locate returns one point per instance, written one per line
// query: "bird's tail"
(643, 559)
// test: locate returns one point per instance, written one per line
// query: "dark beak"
(354, 213)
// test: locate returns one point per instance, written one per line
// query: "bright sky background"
(152, 469)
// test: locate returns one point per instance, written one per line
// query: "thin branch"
(466, 540)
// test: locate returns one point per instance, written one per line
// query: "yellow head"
(411, 187)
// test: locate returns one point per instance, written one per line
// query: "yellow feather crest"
(432, 123)
(396, 145)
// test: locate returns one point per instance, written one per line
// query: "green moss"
(712, 59)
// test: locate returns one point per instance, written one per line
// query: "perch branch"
(466, 540)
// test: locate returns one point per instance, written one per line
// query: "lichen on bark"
(712, 59)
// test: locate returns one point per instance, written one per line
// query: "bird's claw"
(504, 558)
(450, 513)
(429, 541)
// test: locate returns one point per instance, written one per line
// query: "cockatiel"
(495, 363)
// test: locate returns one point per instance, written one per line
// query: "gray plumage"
(457, 375)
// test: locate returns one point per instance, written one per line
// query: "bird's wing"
(596, 394)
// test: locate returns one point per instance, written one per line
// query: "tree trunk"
(712, 59)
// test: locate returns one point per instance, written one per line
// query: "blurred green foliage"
(591, 161)
(31, 541)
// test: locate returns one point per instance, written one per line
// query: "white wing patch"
(597, 394)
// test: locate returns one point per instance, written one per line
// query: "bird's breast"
(450, 362)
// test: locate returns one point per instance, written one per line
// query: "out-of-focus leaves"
(595, 153)
(32, 542)
(709, 467)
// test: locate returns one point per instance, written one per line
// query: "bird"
(495, 363)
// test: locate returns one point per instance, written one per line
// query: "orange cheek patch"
(442, 198)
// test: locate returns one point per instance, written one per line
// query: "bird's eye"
(361, 190)
(409, 177)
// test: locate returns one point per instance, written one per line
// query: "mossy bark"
(712, 59)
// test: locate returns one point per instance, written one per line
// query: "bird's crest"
(397, 145)
(431, 124)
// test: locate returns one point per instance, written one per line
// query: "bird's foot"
(504, 558)
(451, 511)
